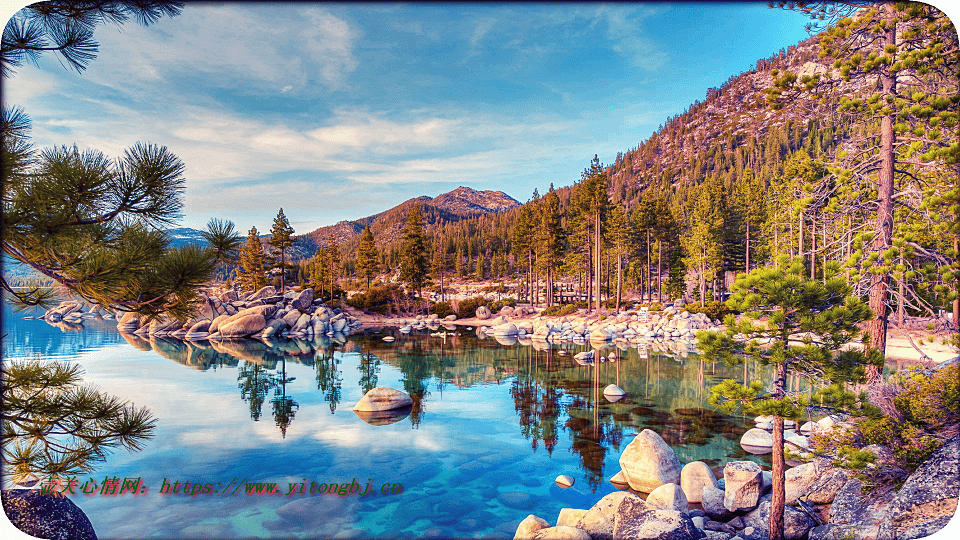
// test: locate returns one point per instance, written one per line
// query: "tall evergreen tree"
(413, 260)
(702, 242)
(549, 238)
(332, 256)
(281, 239)
(368, 260)
(251, 259)
(593, 203)
(621, 238)
(911, 49)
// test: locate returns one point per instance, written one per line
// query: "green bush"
(929, 411)
(499, 304)
(714, 310)
(378, 299)
(560, 310)
(468, 308)
(442, 309)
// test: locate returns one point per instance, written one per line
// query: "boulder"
(757, 437)
(668, 497)
(483, 313)
(564, 481)
(569, 517)
(265, 292)
(202, 326)
(302, 300)
(743, 485)
(798, 480)
(648, 462)
(928, 499)
(642, 522)
(613, 390)
(451, 317)
(599, 519)
(529, 526)
(694, 476)
(561, 533)
(796, 523)
(507, 329)
(291, 317)
(229, 296)
(46, 516)
(712, 500)
(826, 487)
(383, 398)
(215, 324)
(241, 324)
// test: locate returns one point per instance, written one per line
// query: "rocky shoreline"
(823, 502)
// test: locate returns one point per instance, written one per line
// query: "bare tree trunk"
(880, 283)
(659, 259)
(956, 301)
(813, 247)
(619, 279)
(748, 248)
(597, 259)
(800, 245)
(778, 466)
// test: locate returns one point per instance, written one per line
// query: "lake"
(491, 427)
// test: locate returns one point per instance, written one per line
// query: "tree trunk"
(597, 259)
(659, 259)
(748, 248)
(778, 472)
(900, 304)
(283, 270)
(619, 279)
(813, 247)
(800, 245)
(956, 301)
(879, 283)
(648, 282)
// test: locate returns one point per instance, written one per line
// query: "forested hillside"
(842, 150)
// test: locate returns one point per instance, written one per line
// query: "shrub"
(468, 308)
(499, 304)
(560, 310)
(928, 407)
(714, 310)
(378, 299)
(442, 309)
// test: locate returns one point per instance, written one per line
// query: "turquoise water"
(491, 428)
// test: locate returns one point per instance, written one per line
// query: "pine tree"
(55, 425)
(823, 312)
(702, 242)
(368, 260)
(549, 236)
(911, 49)
(251, 259)
(91, 224)
(413, 260)
(593, 202)
(281, 239)
(332, 256)
(621, 236)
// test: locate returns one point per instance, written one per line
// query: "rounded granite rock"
(383, 398)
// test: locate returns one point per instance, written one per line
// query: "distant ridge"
(461, 203)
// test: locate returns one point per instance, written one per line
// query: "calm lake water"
(491, 428)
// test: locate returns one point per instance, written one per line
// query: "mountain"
(181, 236)
(457, 205)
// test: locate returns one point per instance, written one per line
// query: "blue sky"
(340, 111)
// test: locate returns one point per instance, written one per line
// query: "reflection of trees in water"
(255, 383)
(328, 374)
(537, 403)
(369, 367)
(284, 408)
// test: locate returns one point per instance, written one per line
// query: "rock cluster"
(258, 314)
(823, 502)
(672, 330)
